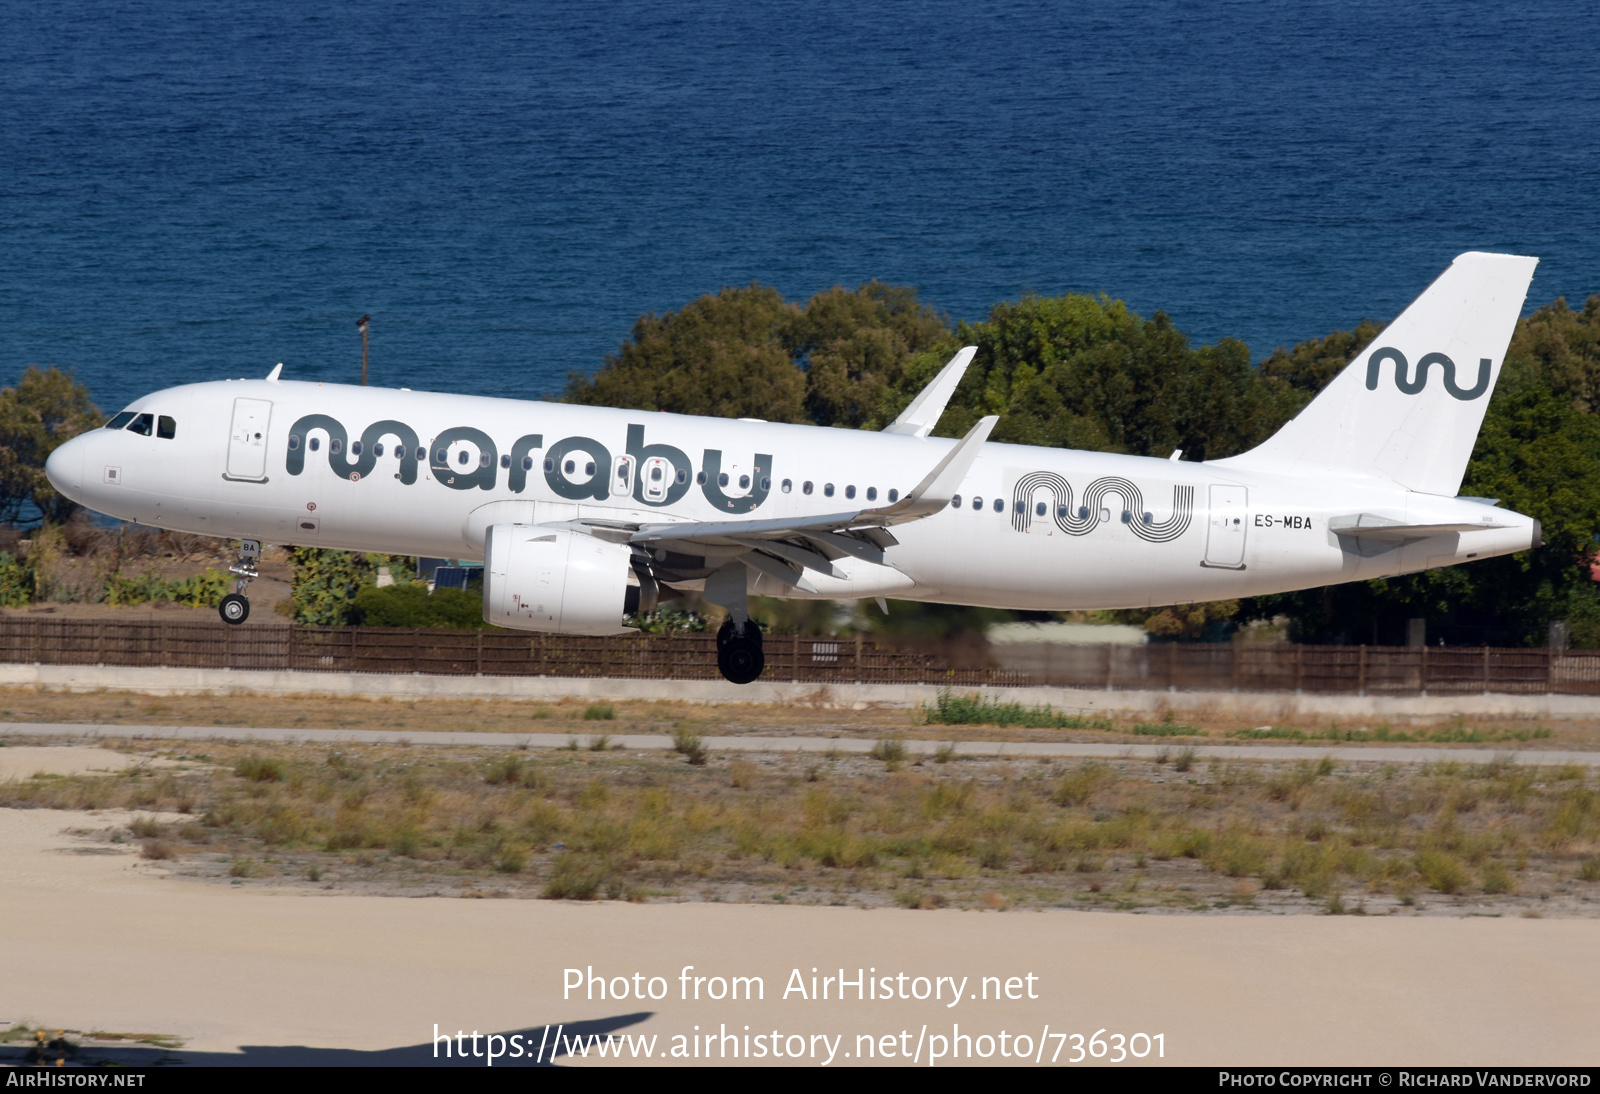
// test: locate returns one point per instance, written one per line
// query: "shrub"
(889, 751)
(599, 712)
(688, 744)
(260, 769)
(408, 605)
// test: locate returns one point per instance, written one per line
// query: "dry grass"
(1303, 835)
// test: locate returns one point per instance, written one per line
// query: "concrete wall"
(1264, 706)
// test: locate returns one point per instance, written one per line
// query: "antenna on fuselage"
(361, 325)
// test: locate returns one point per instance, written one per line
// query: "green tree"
(326, 583)
(721, 355)
(855, 347)
(43, 411)
(1082, 372)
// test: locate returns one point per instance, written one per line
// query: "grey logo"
(1412, 385)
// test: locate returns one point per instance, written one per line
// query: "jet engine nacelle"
(539, 578)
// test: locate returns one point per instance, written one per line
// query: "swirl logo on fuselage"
(1411, 385)
(1044, 495)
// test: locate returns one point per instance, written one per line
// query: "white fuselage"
(1075, 530)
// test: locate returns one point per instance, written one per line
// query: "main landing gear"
(739, 653)
(235, 608)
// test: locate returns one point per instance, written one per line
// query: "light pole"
(361, 325)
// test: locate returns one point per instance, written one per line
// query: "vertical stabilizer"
(1409, 407)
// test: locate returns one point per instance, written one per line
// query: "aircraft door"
(247, 442)
(657, 473)
(1229, 519)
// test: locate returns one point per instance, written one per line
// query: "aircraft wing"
(785, 546)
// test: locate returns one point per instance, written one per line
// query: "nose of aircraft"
(64, 468)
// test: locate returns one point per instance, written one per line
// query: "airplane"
(583, 515)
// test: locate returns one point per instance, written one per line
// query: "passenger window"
(355, 448)
(120, 421)
(549, 465)
(872, 493)
(788, 485)
(655, 474)
(1040, 509)
(461, 457)
(377, 449)
(894, 495)
(955, 501)
(805, 488)
(334, 445)
(683, 476)
(999, 506)
(527, 463)
(588, 468)
(977, 503)
(483, 459)
(441, 456)
(1020, 506)
(422, 454)
(766, 484)
(294, 442)
(827, 489)
(314, 444)
(143, 425)
(700, 478)
(850, 491)
(505, 462)
(744, 482)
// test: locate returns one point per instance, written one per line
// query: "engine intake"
(538, 578)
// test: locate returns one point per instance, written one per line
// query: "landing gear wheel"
(739, 655)
(741, 661)
(234, 609)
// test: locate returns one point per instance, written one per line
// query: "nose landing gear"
(235, 608)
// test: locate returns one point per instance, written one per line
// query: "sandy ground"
(101, 940)
(28, 761)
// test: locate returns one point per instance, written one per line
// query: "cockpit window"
(166, 427)
(120, 420)
(144, 425)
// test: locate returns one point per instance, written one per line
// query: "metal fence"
(1182, 666)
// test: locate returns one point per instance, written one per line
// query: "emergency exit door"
(1229, 518)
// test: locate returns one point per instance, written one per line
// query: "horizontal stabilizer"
(1385, 530)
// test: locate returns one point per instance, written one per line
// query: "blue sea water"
(192, 190)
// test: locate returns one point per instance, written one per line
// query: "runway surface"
(647, 742)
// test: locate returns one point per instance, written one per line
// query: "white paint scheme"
(1358, 486)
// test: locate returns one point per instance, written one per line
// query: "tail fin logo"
(1412, 385)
